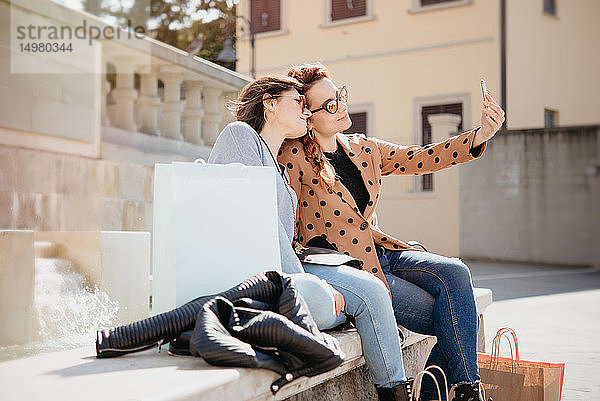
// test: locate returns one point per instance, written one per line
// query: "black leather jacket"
(261, 323)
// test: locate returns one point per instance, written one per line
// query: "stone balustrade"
(188, 108)
(116, 99)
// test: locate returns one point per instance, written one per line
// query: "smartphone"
(483, 88)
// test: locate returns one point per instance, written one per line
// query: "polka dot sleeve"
(418, 160)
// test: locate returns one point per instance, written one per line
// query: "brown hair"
(249, 105)
(309, 74)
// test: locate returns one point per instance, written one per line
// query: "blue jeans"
(368, 302)
(433, 294)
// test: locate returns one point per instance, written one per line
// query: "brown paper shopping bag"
(519, 380)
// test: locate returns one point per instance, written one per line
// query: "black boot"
(469, 392)
(401, 392)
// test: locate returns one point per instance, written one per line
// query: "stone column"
(211, 123)
(193, 112)
(124, 94)
(105, 90)
(172, 106)
(446, 187)
(443, 125)
(148, 103)
(104, 119)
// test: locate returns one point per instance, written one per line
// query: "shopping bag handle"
(242, 166)
(443, 375)
(495, 358)
(496, 348)
(419, 379)
(501, 331)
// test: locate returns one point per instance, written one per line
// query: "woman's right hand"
(340, 302)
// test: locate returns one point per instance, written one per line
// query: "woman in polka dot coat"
(337, 179)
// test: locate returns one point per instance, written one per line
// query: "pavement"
(555, 312)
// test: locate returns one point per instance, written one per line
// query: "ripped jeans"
(433, 294)
(368, 302)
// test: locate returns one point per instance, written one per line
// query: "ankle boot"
(469, 392)
(401, 392)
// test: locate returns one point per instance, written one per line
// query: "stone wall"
(56, 192)
(534, 196)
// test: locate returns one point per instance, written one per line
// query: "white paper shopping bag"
(214, 226)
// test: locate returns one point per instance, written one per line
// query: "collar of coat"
(355, 146)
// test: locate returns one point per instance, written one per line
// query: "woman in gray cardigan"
(270, 110)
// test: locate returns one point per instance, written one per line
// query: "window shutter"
(550, 118)
(359, 123)
(454, 108)
(549, 7)
(342, 9)
(265, 15)
(430, 2)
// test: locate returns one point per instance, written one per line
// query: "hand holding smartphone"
(492, 117)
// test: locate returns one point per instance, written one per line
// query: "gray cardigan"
(239, 143)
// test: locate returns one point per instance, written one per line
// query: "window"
(550, 7)
(341, 12)
(359, 123)
(265, 15)
(430, 5)
(453, 108)
(550, 118)
(343, 9)
(430, 2)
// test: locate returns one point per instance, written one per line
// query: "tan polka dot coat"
(335, 213)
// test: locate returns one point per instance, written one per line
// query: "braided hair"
(308, 75)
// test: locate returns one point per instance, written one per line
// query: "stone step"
(45, 249)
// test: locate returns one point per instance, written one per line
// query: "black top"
(350, 177)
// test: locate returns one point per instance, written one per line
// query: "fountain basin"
(114, 262)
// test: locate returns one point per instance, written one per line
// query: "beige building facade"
(406, 60)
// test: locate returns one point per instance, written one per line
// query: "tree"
(174, 21)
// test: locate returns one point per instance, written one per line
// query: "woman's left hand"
(340, 302)
(492, 118)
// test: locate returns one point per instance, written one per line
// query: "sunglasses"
(331, 106)
(301, 99)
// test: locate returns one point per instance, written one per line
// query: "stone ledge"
(156, 376)
(483, 299)
(139, 147)
(151, 375)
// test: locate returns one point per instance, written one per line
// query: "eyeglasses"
(331, 106)
(301, 99)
